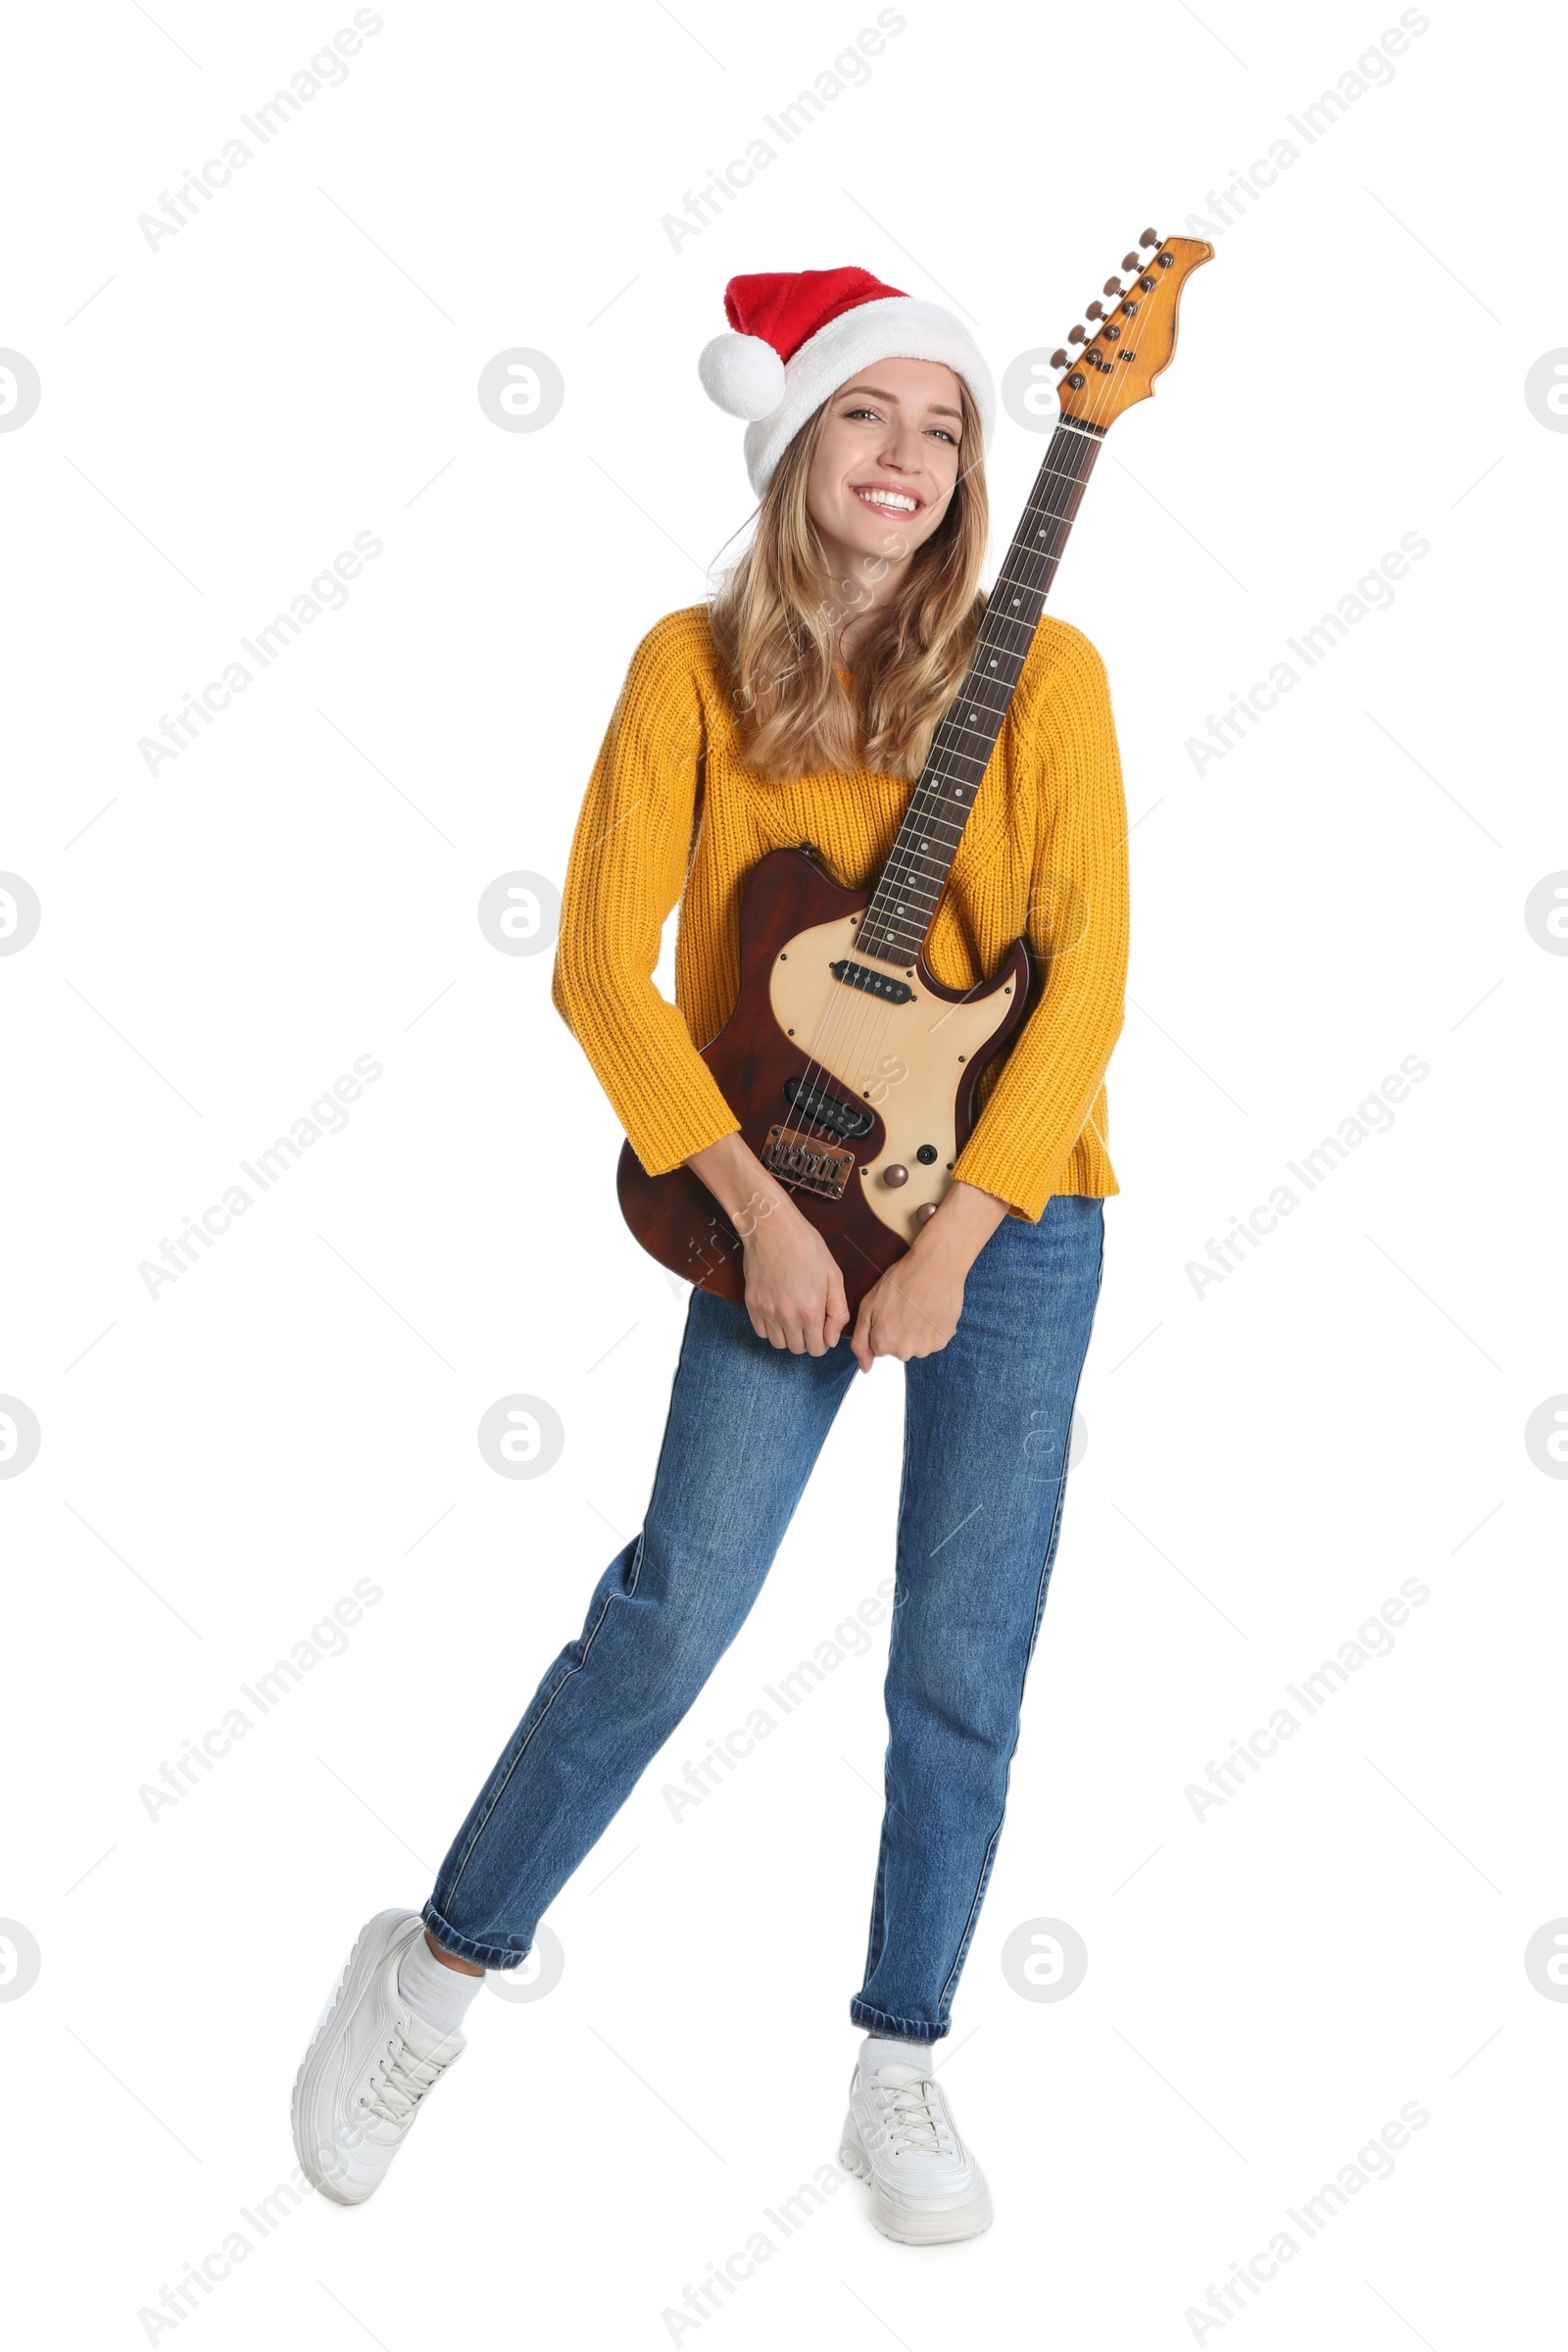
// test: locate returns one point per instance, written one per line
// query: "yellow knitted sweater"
(1044, 853)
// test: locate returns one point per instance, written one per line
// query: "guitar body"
(836, 1085)
(853, 1073)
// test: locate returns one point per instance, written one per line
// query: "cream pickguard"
(907, 1060)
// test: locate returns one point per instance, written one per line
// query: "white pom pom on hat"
(798, 335)
(742, 374)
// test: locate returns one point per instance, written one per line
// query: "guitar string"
(857, 1046)
(866, 1050)
(865, 1054)
(874, 1010)
(854, 1047)
(875, 1013)
(1077, 481)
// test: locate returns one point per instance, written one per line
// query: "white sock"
(886, 2049)
(438, 1995)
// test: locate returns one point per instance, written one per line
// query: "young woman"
(799, 706)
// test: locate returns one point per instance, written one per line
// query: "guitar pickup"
(875, 983)
(823, 1110)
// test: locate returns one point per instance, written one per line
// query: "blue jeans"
(986, 1429)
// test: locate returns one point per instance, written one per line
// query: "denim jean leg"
(988, 1421)
(746, 1424)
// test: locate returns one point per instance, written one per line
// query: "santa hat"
(798, 335)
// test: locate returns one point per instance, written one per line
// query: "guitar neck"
(896, 922)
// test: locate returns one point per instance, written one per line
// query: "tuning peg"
(1075, 335)
(1112, 285)
(1095, 310)
(1059, 358)
(1149, 238)
(1129, 260)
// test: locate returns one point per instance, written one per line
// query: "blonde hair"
(775, 619)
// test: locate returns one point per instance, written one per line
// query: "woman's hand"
(794, 1288)
(915, 1307)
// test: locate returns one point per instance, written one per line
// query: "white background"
(1266, 1464)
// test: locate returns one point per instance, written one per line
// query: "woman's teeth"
(893, 501)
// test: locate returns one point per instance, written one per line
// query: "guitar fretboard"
(893, 927)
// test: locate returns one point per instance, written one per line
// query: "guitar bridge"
(811, 1167)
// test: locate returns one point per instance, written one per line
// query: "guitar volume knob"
(896, 1175)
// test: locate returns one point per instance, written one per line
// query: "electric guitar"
(850, 1067)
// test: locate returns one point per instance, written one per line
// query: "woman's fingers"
(799, 1299)
(764, 1322)
(783, 1326)
(860, 1339)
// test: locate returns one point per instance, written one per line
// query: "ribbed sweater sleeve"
(625, 873)
(1078, 929)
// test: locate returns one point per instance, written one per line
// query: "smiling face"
(883, 470)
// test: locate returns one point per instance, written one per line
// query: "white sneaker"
(369, 2069)
(926, 2187)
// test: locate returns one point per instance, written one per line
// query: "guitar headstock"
(1116, 360)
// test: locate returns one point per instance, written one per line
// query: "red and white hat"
(798, 335)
